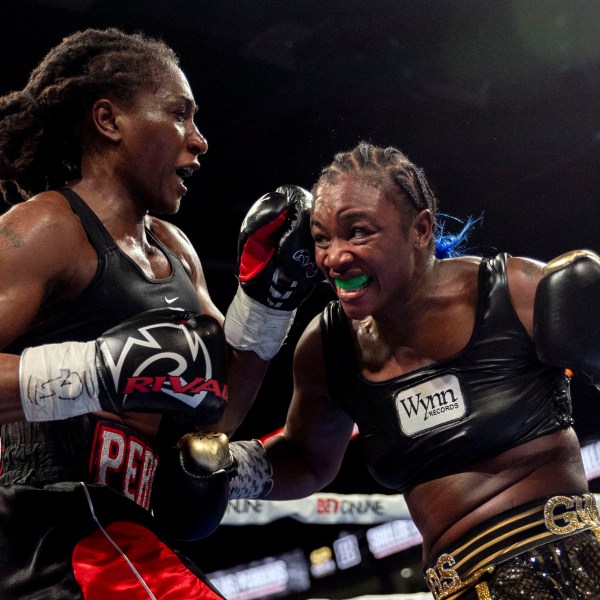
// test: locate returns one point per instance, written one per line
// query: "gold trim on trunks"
(483, 591)
(510, 534)
(438, 584)
(585, 514)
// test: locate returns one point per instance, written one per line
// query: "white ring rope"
(319, 509)
(359, 509)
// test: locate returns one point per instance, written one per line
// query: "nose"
(196, 142)
(336, 257)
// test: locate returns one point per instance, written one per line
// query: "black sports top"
(493, 395)
(48, 452)
(119, 290)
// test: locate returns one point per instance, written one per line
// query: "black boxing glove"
(277, 271)
(566, 327)
(167, 361)
(276, 251)
(191, 488)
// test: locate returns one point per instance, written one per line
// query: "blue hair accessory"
(448, 245)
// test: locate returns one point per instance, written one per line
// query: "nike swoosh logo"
(171, 300)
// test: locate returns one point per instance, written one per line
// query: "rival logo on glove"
(174, 384)
(186, 376)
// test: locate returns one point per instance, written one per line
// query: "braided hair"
(41, 127)
(411, 183)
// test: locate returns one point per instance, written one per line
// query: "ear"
(422, 228)
(106, 119)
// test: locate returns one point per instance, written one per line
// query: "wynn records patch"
(434, 403)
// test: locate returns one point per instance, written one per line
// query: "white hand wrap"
(250, 325)
(59, 381)
(253, 472)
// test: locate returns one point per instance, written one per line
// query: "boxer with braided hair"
(412, 182)
(43, 125)
(110, 345)
(454, 370)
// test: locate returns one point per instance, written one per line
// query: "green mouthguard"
(352, 284)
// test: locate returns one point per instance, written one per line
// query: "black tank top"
(493, 395)
(119, 290)
(39, 453)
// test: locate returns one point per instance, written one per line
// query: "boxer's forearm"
(246, 371)
(11, 408)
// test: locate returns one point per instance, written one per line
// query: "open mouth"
(184, 172)
(351, 285)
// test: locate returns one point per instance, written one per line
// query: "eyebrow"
(350, 215)
(190, 104)
(355, 214)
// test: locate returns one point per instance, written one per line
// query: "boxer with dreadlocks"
(111, 347)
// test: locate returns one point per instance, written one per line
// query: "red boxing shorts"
(76, 541)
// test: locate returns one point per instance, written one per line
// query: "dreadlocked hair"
(41, 129)
(415, 192)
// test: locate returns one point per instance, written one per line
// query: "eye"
(182, 112)
(319, 239)
(181, 115)
(360, 232)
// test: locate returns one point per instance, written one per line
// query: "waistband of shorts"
(507, 535)
(89, 449)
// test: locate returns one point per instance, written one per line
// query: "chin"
(355, 312)
(169, 208)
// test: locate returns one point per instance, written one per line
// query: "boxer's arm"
(276, 273)
(523, 276)
(245, 369)
(11, 408)
(308, 454)
(35, 261)
(166, 361)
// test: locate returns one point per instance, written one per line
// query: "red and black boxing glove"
(277, 270)
(166, 361)
(276, 251)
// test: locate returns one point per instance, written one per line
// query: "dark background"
(496, 99)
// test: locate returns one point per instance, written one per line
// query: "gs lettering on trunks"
(122, 461)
